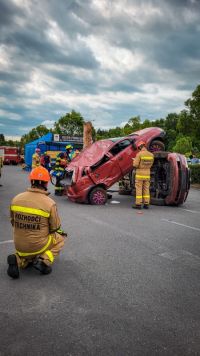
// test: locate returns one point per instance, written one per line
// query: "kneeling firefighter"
(38, 237)
(143, 163)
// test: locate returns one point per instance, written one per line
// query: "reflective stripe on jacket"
(35, 160)
(33, 216)
(143, 163)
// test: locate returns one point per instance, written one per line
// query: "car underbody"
(162, 180)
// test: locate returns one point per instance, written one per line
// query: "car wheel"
(98, 196)
(156, 146)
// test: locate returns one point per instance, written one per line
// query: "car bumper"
(80, 197)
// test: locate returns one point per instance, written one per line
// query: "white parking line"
(6, 242)
(191, 211)
(176, 223)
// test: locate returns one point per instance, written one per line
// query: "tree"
(116, 132)
(193, 106)
(159, 123)
(146, 123)
(70, 125)
(183, 145)
(170, 139)
(35, 133)
(171, 121)
(134, 124)
(2, 139)
(101, 134)
(185, 124)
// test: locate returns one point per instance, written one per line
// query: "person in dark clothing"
(46, 161)
(59, 172)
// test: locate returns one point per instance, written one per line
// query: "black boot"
(146, 206)
(137, 207)
(41, 266)
(13, 270)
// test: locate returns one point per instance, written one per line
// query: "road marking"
(181, 254)
(176, 223)
(191, 211)
(6, 242)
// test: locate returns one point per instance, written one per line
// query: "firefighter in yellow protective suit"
(143, 163)
(38, 237)
(36, 158)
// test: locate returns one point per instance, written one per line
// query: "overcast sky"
(110, 60)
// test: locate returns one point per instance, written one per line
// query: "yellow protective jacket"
(60, 164)
(35, 160)
(34, 219)
(143, 163)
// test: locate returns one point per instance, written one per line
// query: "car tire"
(160, 146)
(98, 196)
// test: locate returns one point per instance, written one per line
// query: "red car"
(105, 162)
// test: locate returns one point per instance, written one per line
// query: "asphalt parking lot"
(124, 284)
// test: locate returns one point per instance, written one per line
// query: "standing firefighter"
(36, 158)
(59, 172)
(143, 163)
(69, 150)
(38, 237)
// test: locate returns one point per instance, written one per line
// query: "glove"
(61, 232)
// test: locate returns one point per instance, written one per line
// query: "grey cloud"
(8, 11)
(32, 47)
(169, 44)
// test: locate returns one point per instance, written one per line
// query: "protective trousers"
(142, 191)
(59, 187)
(52, 250)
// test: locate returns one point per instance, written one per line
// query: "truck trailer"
(10, 155)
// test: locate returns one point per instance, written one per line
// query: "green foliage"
(71, 124)
(193, 104)
(171, 136)
(115, 132)
(183, 145)
(159, 123)
(134, 124)
(146, 123)
(2, 140)
(185, 124)
(171, 122)
(195, 173)
(35, 133)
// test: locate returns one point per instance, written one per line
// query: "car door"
(123, 152)
(106, 171)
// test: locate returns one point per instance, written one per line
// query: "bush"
(195, 173)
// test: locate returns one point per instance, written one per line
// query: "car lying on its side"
(170, 179)
(107, 161)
